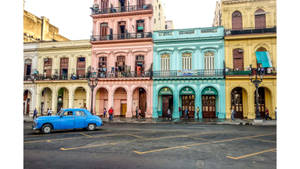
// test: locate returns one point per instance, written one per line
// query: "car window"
(79, 113)
(68, 113)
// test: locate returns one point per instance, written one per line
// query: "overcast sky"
(72, 17)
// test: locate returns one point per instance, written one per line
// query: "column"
(149, 103)
(54, 101)
(131, 59)
(251, 103)
(71, 98)
(175, 104)
(147, 24)
(198, 103)
(129, 104)
(110, 99)
(88, 99)
(228, 103)
(155, 104)
(38, 102)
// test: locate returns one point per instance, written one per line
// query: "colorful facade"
(188, 72)
(250, 29)
(122, 54)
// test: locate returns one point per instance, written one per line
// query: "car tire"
(91, 127)
(47, 128)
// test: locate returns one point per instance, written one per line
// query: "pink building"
(122, 55)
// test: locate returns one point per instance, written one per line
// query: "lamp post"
(92, 82)
(256, 77)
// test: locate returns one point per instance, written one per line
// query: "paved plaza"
(153, 146)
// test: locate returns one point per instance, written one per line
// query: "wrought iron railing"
(265, 71)
(121, 36)
(191, 73)
(124, 74)
(250, 31)
(98, 11)
(61, 77)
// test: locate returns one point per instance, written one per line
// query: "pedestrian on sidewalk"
(140, 113)
(104, 113)
(137, 112)
(197, 112)
(49, 113)
(169, 114)
(35, 112)
(232, 114)
(111, 113)
(267, 116)
(186, 112)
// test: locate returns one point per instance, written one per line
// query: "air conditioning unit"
(240, 50)
(46, 59)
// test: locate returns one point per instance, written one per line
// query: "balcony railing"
(266, 71)
(193, 73)
(250, 31)
(96, 10)
(121, 36)
(40, 77)
(131, 74)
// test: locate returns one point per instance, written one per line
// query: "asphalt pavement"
(153, 146)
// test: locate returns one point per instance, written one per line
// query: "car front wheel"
(47, 128)
(91, 127)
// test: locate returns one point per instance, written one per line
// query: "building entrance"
(167, 103)
(209, 95)
(188, 102)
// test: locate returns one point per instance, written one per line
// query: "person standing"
(104, 113)
(197, 112)
(49, 112)
(111, 113)
(186, 113)
(169, 114)
(267, 116)
(35, 113)
(137, 112)
(232, 114)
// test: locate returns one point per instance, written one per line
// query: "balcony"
(97, 11)
(41, 77)
(124, 36)
(192, 74)
(131, 74)
(250, 31)
(267, 71)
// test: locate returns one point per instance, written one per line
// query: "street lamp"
(256, 77)
(92, 82)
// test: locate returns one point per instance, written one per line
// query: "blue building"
(188, 73)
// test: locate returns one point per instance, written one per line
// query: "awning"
(210, 91)
(264, 59)
(165, 91)
(187, 91)
(140, 28)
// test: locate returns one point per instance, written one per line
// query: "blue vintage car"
(67, 119)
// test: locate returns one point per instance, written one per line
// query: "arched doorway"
(101, 101)
(120, 102)
(165, 97)
(264, 101)
(187, 99)
(46, 100)
(238, 99)
(209, 101)
(80, 98)
(62, 99)
(27, 102)
(140, 100)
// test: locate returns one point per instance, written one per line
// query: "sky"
(72, 17)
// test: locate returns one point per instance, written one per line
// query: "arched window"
(103, 31)
(209, 60)
(187, 61)
(47, 67)
(237, 21)
(102, 66)
(260, 19)
(238, 59)
(165, 62)
(120, 64)
(261, 49)
(80, 67)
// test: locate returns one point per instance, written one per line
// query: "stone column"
(129, 103)
(54, 101)
(149, 104)
(38, 101)
(110, 98)
(71, 98)
(251, 103)
(228, 103)
(198, 103)
(175, 104)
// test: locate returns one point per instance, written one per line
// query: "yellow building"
(39, 29)
(250, 35)
(62, 70)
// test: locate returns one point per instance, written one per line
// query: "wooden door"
(165, 105)
(142, 101)
(209, 106)
(64, 64)
(261, 102)
(237, 21)
(81, 67)
(188, 101)
(48, 67)
(123, 109)
(238, 59)
(260, 19)
(237, 103)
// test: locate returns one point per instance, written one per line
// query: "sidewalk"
(183, 121)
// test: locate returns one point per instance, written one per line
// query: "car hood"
(47, 118)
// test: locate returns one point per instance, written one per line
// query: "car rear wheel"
(91, 127)
(47, 128)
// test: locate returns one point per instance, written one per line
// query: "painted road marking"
(88, 146)
(136, 136)
(252, 154)
(85, 135)
(262, 140)
(145, 139)
(197, 144)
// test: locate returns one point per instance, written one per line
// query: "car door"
(67, 120)
(80, 119)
